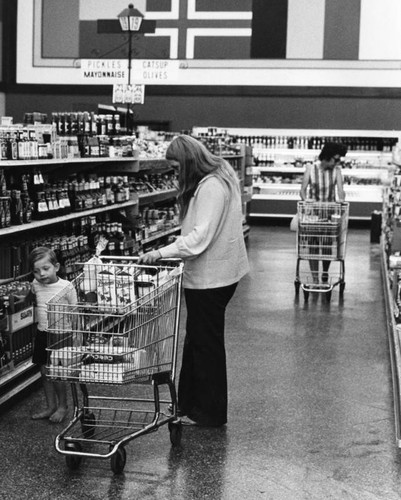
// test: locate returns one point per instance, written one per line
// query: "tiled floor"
(310, 411)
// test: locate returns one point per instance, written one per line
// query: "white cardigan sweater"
(211, 242)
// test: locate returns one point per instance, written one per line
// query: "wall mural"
(340, 43)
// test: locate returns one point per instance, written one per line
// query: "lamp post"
(130, 21)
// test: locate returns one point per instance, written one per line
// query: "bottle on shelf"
(27, 207)
(41, 210)
(3, 183)
(7, 208)
(16, 208)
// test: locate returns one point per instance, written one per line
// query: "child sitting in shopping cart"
(44, 266)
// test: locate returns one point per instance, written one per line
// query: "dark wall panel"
(269, 29)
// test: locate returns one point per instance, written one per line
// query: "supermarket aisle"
(310, 414)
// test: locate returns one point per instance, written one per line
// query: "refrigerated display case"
(280, 155)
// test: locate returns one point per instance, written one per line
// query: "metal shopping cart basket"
(122, 330)
(321, 236)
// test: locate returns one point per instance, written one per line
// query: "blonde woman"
(213, 249)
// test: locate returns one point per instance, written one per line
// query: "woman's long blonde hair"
(196, 162)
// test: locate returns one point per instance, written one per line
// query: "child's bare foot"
(59, 415)
(46, 413)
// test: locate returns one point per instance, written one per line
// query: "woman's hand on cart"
(150, 257)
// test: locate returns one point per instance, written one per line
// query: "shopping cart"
(321, 236)
(123, 330)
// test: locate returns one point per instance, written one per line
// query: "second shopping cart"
(321, 237)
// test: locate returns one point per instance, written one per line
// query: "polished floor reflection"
(310, 403)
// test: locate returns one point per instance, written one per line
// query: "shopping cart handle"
(135, 258)
(171, 261)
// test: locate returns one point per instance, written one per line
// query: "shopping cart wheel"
(175, 429)
(88, 424)
(73, 461)
(118, 460)
(306, 295)
(297, 285)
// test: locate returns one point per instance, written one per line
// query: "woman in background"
(325, 182)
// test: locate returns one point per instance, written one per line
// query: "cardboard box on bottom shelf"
(116, 373)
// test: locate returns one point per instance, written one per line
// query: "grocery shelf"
(355, 171)
(12, 381)
(305, 132)
(6, 231)
(65, 161)
(116, 161)
(22, 376)
(283, 191)
(394, 346)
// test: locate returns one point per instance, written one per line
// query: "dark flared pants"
(202, 388)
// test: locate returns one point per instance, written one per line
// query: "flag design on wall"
(343, 30)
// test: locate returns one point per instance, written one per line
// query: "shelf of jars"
(302, 139)
(118, 164)
(30, 199)
(7, 231)
(390, 246)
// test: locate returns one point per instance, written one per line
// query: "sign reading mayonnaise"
(104, 70)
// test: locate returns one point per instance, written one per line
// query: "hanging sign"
(109, 71)
(128, 94)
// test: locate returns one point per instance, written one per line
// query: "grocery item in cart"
(125, 289)
(115, 288)
(88, 283)
(118, 372)
(106, 289)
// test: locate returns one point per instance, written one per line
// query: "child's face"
(45, 272)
